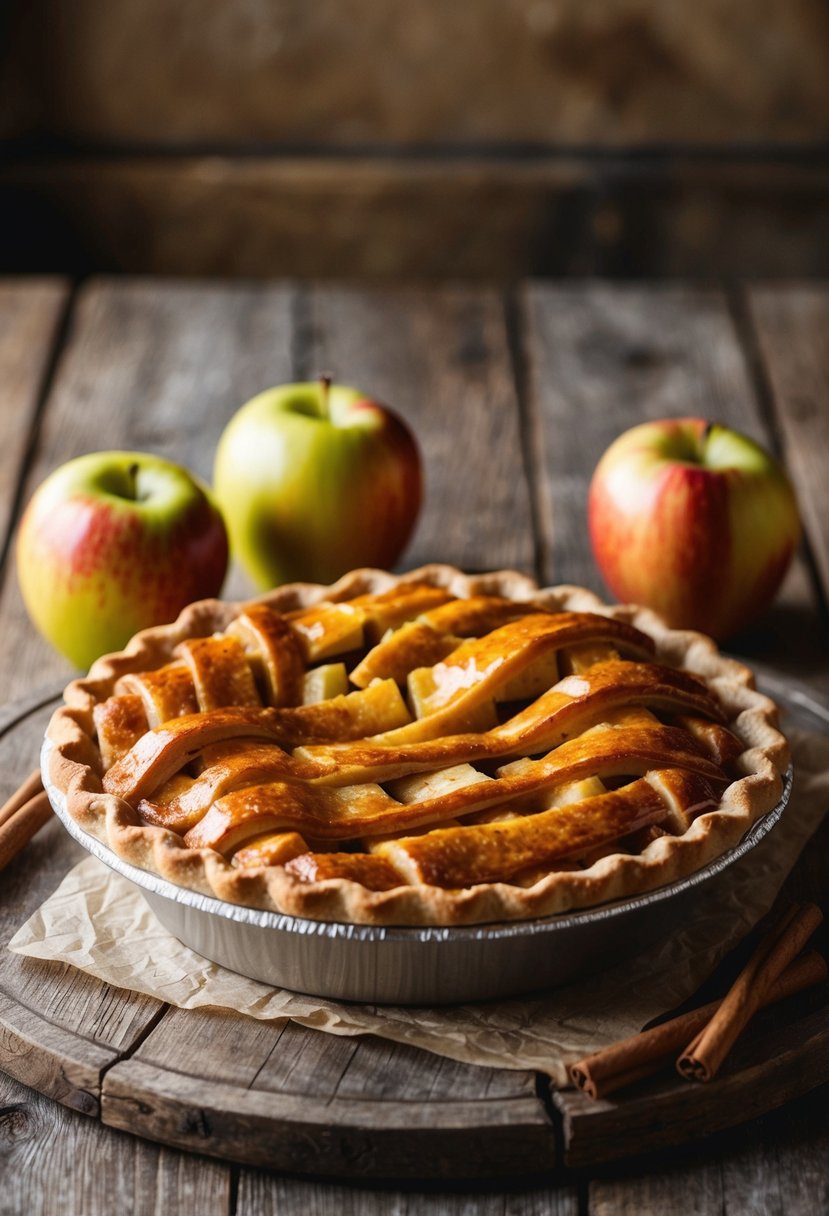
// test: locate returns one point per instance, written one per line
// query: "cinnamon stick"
(643, 1054)
(20, 826)
(31, 786)
(704, 1055)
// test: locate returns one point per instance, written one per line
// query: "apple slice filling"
(165, 694)
(272, 647)
(120, 721)
(220, 676)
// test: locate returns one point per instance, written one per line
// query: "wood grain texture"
(776, 1167)
(792, 325)
(385, 219)
(30, 312)
(394, 1072)
(361, 1139)
(350, 72)
(261, 1195)
(700, 1188)
(296, 1060)
(292, 1098)
(55, 1062)
(53, 1160)
(440, 357)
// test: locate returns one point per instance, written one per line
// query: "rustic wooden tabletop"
(514, 397)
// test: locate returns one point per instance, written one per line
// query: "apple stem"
(132, 472)
(325, 389)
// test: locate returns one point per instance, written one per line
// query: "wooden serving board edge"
(54, 1061)
(340, 1137)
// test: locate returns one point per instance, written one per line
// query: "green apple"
(695, 520)
(113, 542)
(315, 479)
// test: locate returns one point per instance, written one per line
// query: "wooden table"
(514, 397)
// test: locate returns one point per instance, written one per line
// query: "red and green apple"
(113, 542)
(315, 479)
(694, 520)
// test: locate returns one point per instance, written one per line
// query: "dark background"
(415, 139)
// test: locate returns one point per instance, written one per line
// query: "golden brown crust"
(320, 890)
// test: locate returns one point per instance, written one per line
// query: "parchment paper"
(99, 922)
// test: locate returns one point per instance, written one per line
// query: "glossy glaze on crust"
(632, 841)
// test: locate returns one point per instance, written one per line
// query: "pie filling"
(413, 738)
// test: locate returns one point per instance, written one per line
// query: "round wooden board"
(295, 1099)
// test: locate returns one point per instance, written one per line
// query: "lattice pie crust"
(431, 748)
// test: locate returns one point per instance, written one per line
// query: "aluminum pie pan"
(421, 965)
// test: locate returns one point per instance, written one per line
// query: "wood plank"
(347, 73)
(30, 311)
(615, 355)
(441, 359)
(774, 1166)
(785, 1167)
(394, 1072)
(261, 1194)
(378, 218)
(771, 1177)
(54, 1160)
(213, 1044)
(55, 1062)
(210, 1073)
(329, 1137)
(296, 1059)
(305, 1061)
(149, 367)
(792, 324)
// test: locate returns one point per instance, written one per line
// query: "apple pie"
(427, 749)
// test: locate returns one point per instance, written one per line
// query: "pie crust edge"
(73, 763)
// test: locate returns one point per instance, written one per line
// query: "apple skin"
(694, 520)
(315, 479)
(113, 542)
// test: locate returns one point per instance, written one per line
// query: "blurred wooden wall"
(415, 138)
